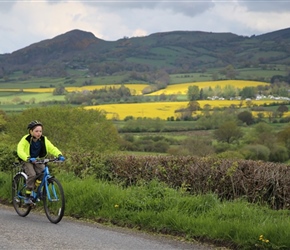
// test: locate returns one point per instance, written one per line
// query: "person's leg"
(30, 172)
(39, 169)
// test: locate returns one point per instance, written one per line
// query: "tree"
(279, 154)
(283, 137)
(263, 134)
(215, 76)
(282, 109)
(256, 152)
(246, 117)
(197, 146)
(228, 132)
(74, 129)
(229, 91)
(229, 72)
(206, 110)
(193, 93)
(248, 92)
(214, 120)
(123, 91)
(59, 90)
(193, 106)
(217, 91)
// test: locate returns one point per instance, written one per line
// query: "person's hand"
(61, 158)
(32, 160)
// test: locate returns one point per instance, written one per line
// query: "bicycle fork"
(51, 192)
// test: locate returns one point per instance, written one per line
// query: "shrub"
(68, 128)
(279, 154)
(256, 152)
(230, 155)
(7, 157)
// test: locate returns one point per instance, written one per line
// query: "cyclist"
(31, 146)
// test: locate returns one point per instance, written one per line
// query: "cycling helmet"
(32, 124)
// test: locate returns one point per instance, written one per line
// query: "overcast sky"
(25, 22)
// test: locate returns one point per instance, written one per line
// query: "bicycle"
(50, 191)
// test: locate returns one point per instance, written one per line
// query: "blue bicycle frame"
(44, 183)
(50, 191)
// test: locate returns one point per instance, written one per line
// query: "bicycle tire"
(53, 200)
(18, 194)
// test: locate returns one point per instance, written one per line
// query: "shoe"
(28, 201)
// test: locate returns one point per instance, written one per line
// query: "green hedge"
(256, 181)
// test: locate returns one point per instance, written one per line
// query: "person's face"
(36, 132)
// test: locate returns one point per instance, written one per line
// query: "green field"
(20, 100)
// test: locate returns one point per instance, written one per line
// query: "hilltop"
(173, 52)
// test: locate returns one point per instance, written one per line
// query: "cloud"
(189, 8)
(266, 6)
(6, 6)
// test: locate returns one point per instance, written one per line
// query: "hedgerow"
(255, 181)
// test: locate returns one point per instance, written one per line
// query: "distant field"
(136, 89)
(181, 89)
(244, 74)
(162, 110)
(17, 99)
(78, 79)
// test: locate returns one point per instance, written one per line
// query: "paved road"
(36, 232)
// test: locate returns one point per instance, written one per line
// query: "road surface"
(36, 232)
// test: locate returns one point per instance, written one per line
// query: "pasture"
(16, 99)
(136, 89)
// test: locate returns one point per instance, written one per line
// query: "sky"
(25, 22)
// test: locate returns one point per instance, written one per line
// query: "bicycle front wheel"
(53, 200)
(18, 195)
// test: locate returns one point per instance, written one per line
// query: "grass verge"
(156, 208)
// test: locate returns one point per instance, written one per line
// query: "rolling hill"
(174, 52)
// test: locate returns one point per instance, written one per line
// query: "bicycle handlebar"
(44, 161)
(41, 161)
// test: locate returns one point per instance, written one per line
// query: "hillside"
(175, 52)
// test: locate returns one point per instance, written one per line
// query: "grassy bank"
(156, 208)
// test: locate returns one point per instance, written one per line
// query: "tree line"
(124, 95)
(230, 133)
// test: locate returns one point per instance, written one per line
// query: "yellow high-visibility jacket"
(23, 148)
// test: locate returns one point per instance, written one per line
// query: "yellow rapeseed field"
(161, 110)
(181, 89)
(136, 89)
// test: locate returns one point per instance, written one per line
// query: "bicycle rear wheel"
(18, 195)
(53, 200)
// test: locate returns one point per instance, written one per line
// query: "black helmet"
(32, 124)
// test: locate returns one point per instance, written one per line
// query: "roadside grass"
(154, 207)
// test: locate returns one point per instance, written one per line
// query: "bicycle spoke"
(18, 195)
(53, 201)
